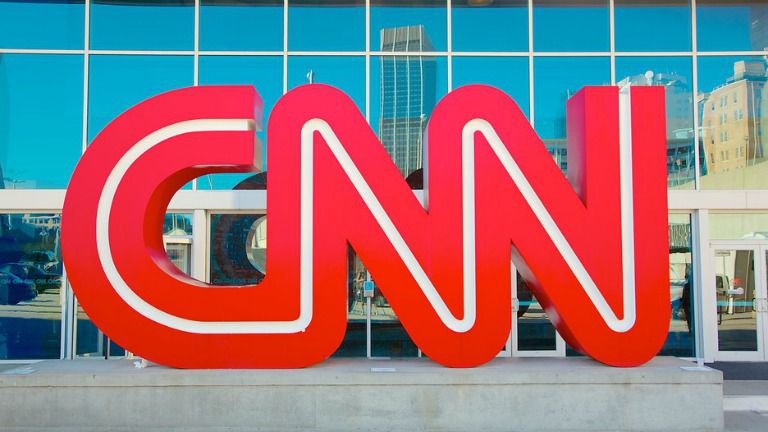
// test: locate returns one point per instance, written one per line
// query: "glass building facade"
(67, 68)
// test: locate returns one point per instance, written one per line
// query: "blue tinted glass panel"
(681, 339)
(404, 90)
(30, 286)
(344, 72)
(555, 80)
(733, 102)
(671, 29)
(339, 26)
(490, 26)
(510, 74)
(117, 82)
(248, 25)
(265, 73)
(675, 75)
(142, 25)
(562, 25)
(408, 26)
(41, 119)
(723, 25)
(42, 25)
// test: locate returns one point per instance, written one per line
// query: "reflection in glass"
(245, 25)
(738, 226)
(238, 248)
(736, 292)
(388, 336)
(177, 224)
(404, 90)
(117, 82)
(740, 25)
(177, 238)
(355, 339)
(671, 25)
(314, 26)
(30, 286)
(534, 330)
(408, 26)
(509, 74)
(674, 74)
(568, 25)
(500, 25)
(41, 119)
(41, 25)
(555, 80)
(91, 342)
(346, 73)
(732, 110)
(681, 338)
(263, 72)
(142, 25)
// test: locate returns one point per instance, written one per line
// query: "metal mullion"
(196, 61)
(489, 54)
(406, 53)
(40, 51)
(328, 53)
(195, 78)
(143, 52)
(86, 67)
(572, 54)
(727, 53)
(368, 61)
(240, 53)
(695, 90)
(450, 45)
(531, 107)
(653, 54)
(285, 46)
(697, 250)
(612, 38)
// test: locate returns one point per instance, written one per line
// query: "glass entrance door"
(740, 290)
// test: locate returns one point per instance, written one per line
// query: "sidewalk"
(746, 405)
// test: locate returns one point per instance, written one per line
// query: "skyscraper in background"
(681, 159)
(407, 95)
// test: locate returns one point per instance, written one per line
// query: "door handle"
(761, 305)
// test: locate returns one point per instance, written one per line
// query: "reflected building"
(681, 158)
(758, 27)
(732, 121)
(407, 95)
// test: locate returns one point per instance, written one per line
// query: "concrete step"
(745, 396)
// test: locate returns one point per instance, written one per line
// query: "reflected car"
(14, 289)
(40, 279)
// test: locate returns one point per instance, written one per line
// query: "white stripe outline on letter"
(393, 235)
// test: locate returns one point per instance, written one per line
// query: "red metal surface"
(585, 206)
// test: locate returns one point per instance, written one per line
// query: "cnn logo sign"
(592, 246)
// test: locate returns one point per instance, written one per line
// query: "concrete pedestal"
(542, 394)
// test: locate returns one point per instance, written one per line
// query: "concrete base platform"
(566, 394)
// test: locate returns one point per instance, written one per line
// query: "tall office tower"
(758, 31)
(407, 95)
(681, 160)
